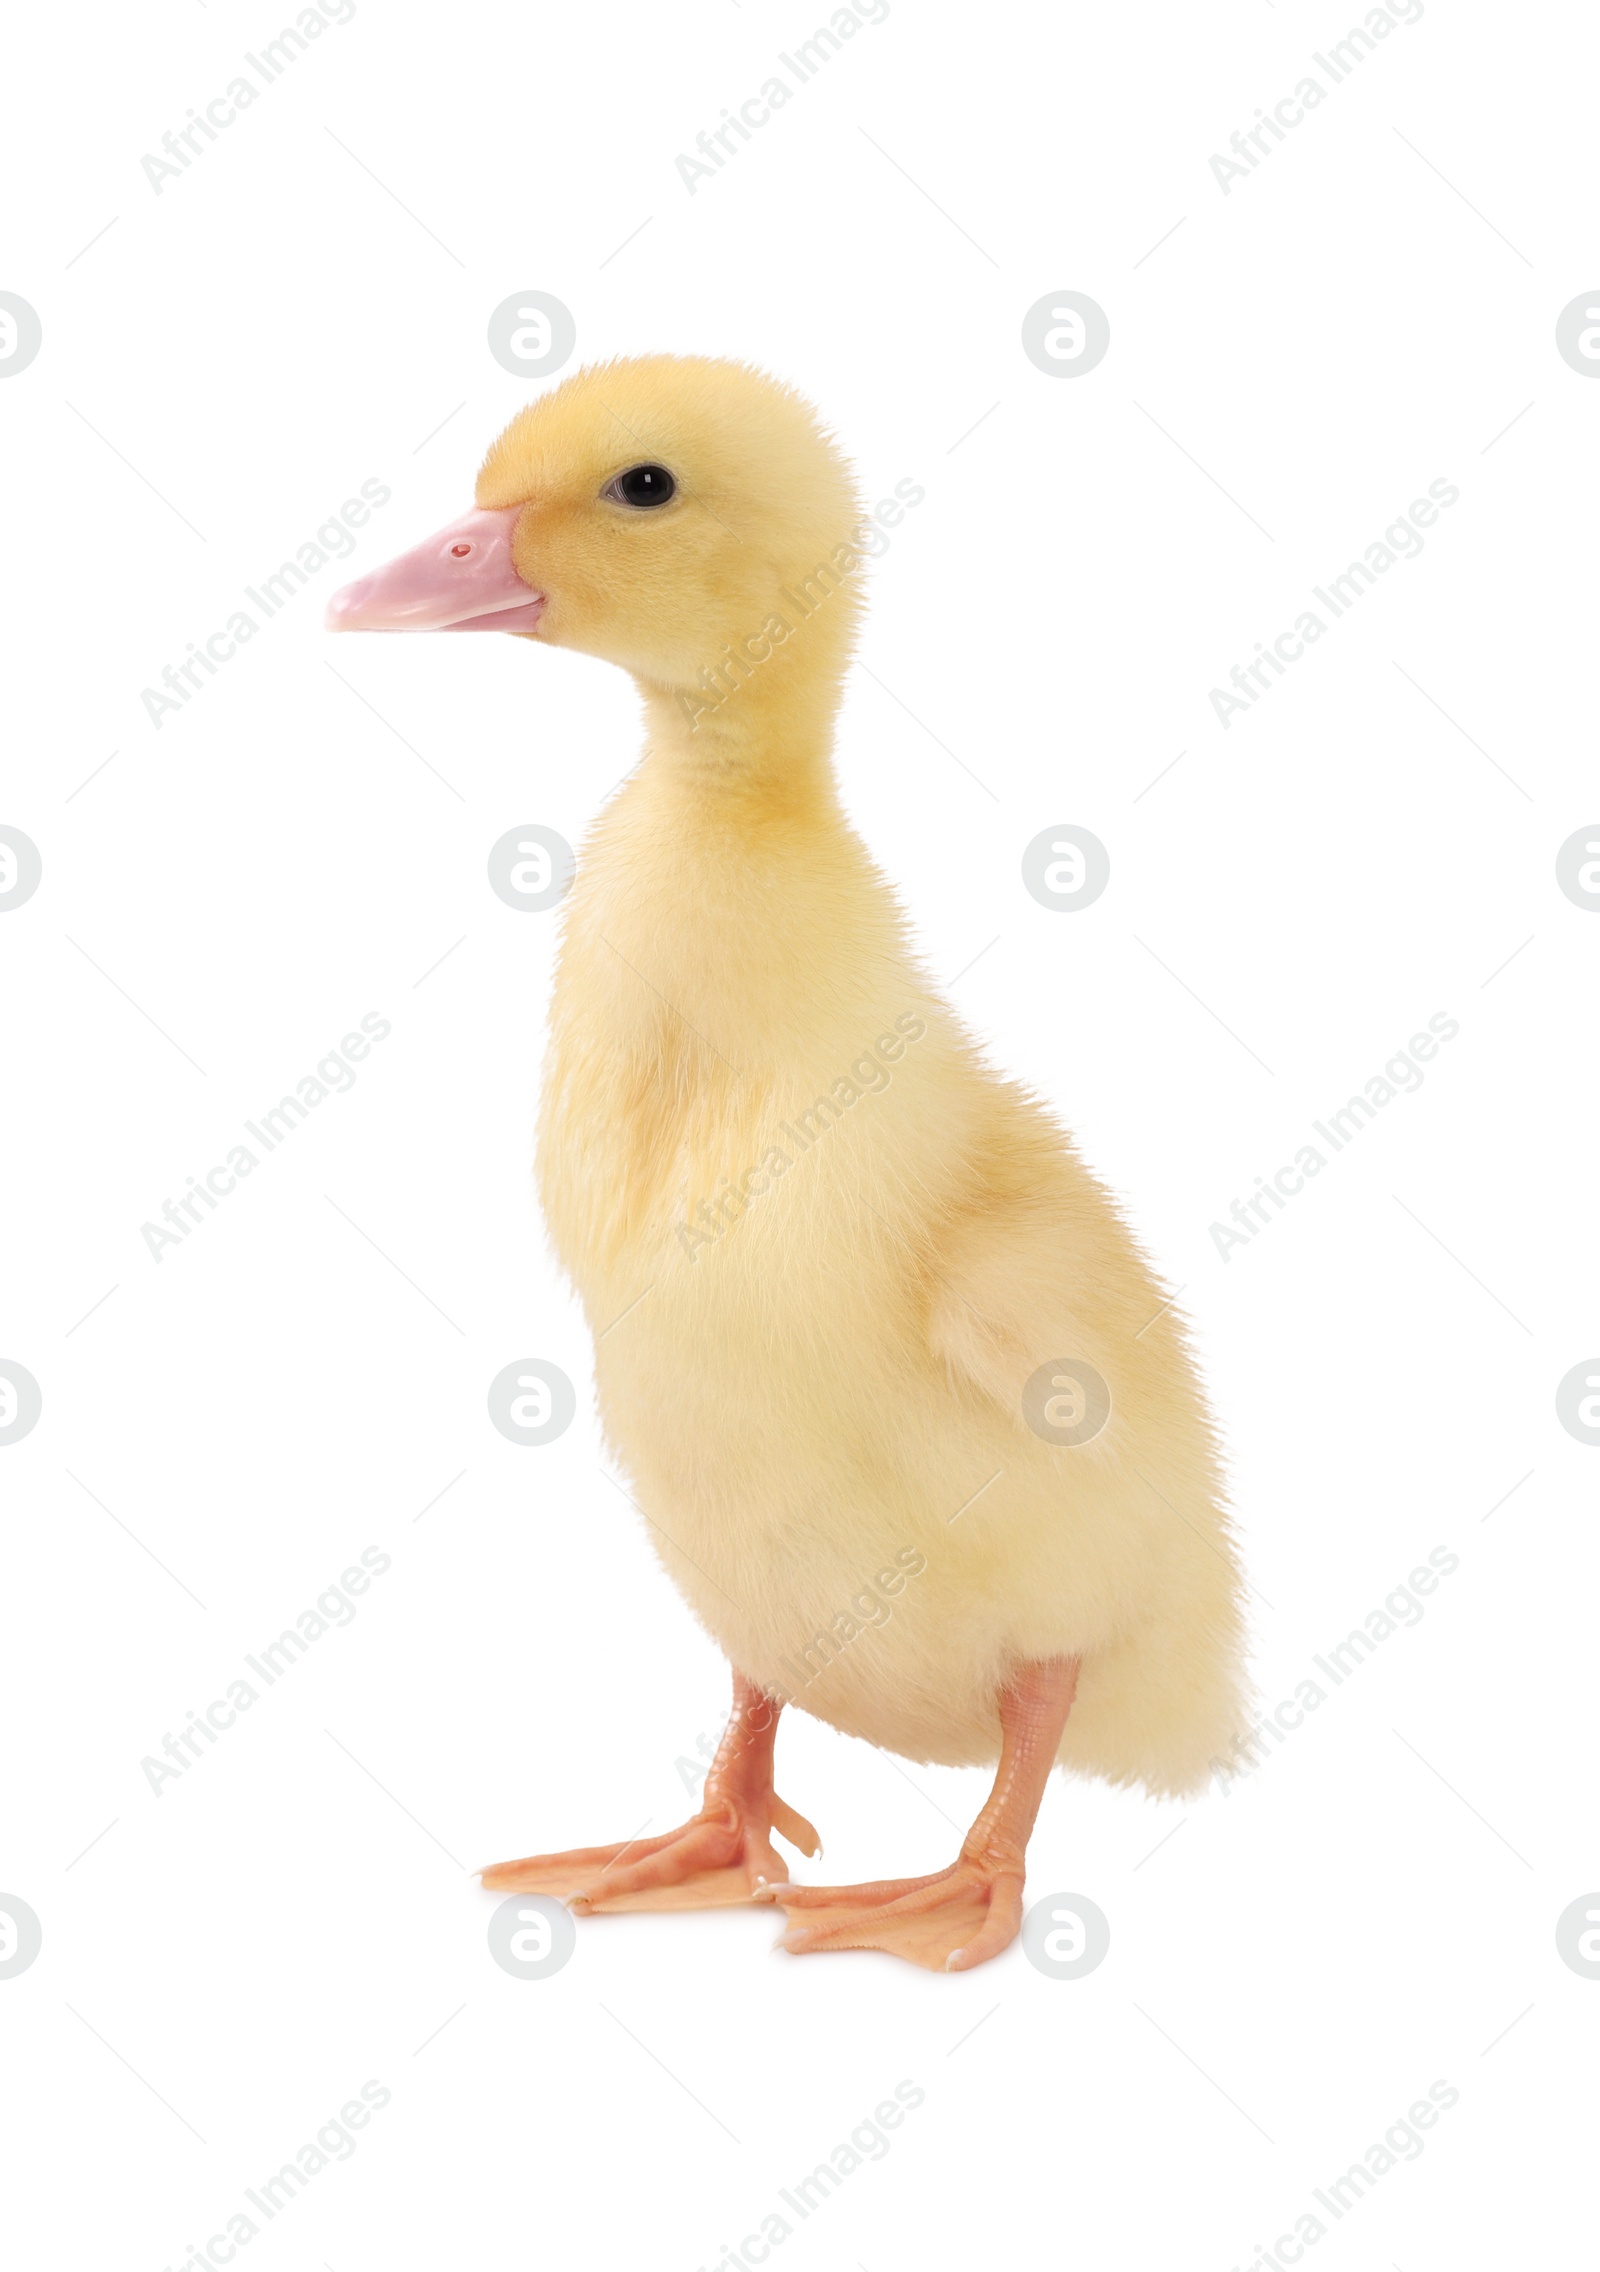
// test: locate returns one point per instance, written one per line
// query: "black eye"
(643, 485)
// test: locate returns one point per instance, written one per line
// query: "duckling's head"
(684, 518)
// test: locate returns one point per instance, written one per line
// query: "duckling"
(915, 1428)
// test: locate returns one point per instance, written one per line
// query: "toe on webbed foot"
(949, 1922)
(715, 1861)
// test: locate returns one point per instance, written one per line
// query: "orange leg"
(963, 1915)
(723, 1854)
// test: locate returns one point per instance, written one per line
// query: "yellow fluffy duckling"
(914, 1425)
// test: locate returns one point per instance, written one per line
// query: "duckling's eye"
(642, 485)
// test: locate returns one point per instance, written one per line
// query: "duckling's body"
(851, 1291)
(823, 1382)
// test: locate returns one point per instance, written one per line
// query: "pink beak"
(462, 579)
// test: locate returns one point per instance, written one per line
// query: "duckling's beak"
(463, 579)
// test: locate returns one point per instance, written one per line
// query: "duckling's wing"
(1026, 1284)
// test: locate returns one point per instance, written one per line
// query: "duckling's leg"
(971, 1911)
(722, 1855)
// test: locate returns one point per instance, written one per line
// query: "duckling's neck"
(726, 877)
(763, 755)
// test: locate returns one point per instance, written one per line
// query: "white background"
(1371, 309)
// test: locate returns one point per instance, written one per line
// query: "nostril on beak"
(460, 551)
